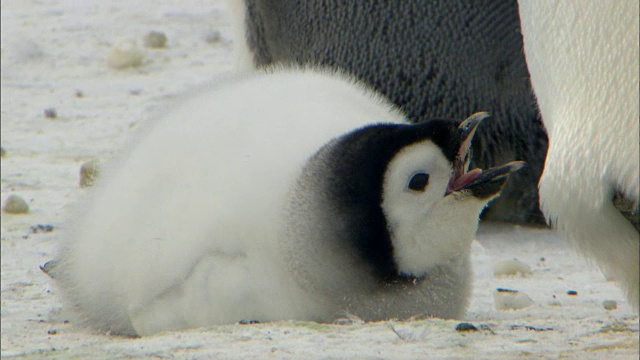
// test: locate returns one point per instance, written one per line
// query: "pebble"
(89, 172)
(464, 326)
(155, 40)
(50, 113)
(124, 55)
(42, 228)
(572, 293)
(609, 305)
(49, 268)
(15, 205)
(511, 268)
(506, 299)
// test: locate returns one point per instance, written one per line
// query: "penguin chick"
(583, 60)
(280, 197)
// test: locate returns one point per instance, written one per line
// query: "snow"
(54, 56)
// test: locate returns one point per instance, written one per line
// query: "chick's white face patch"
(428, 229)
(415, 179)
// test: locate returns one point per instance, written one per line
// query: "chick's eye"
(419, 182)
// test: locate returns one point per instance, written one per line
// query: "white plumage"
(583, 60)
(217, 216)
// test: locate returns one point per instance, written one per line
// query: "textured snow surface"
(54, 57)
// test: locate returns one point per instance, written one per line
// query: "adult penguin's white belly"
(583, 60)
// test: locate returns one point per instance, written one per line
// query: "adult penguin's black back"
(439, 59)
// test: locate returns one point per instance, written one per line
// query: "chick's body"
(290, 195)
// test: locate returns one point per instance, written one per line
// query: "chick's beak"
(480, 183)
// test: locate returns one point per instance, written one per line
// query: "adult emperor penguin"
(288, 195)
(431, 58)
(583, 59)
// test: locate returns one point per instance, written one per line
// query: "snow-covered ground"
(54, 57)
